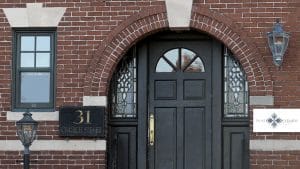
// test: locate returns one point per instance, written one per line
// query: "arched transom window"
(180, 59)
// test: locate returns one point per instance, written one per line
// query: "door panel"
(165, 90)
(194, 138)
(194, 89)
(123, 148)
(165, 139)
(236, 147)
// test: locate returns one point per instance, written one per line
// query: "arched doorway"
(178, 101)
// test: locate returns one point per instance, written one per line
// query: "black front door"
(180, 98)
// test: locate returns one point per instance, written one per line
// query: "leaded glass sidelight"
(123, 90)
(235, 88)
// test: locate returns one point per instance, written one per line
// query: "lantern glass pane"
(20, 133)
(278, 44)
(29, 131)
(27, 128)
(278, 39)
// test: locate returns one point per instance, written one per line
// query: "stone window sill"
(38, 116)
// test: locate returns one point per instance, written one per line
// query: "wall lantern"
(26, 130)
(278, 41)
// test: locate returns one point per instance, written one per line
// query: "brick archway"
(153, 20)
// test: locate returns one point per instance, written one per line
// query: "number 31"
(81, 118)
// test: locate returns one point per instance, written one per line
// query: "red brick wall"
(86, 24)
(85, 62)
(54, 160)
(275, 159)
(83, 28)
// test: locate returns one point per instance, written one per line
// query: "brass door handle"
(151, 129)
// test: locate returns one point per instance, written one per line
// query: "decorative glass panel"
(35, 87)
(235, 88)
(187, 62)
(124, 89)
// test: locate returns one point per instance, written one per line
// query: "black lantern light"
(26, 130)
(278, 41)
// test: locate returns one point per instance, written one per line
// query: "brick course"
(275, 159)
(55, 160)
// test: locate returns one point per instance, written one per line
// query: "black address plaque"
(87, 121)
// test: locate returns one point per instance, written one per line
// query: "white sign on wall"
(276, 120)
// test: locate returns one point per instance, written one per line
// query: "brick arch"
(243, 48)
(154, 20)
(111, 50)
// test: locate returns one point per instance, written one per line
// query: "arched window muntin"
(123, 93)
(180, 59)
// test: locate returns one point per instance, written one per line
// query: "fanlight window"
(235, 88)
(180, 59)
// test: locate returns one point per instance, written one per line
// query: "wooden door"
(180, 101)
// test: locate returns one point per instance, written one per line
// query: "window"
(180, 59)
(235, 88)
(123, 93)
(34, 56)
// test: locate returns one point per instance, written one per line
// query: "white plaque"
(276, 120)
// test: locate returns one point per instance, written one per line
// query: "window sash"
(18, 70)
